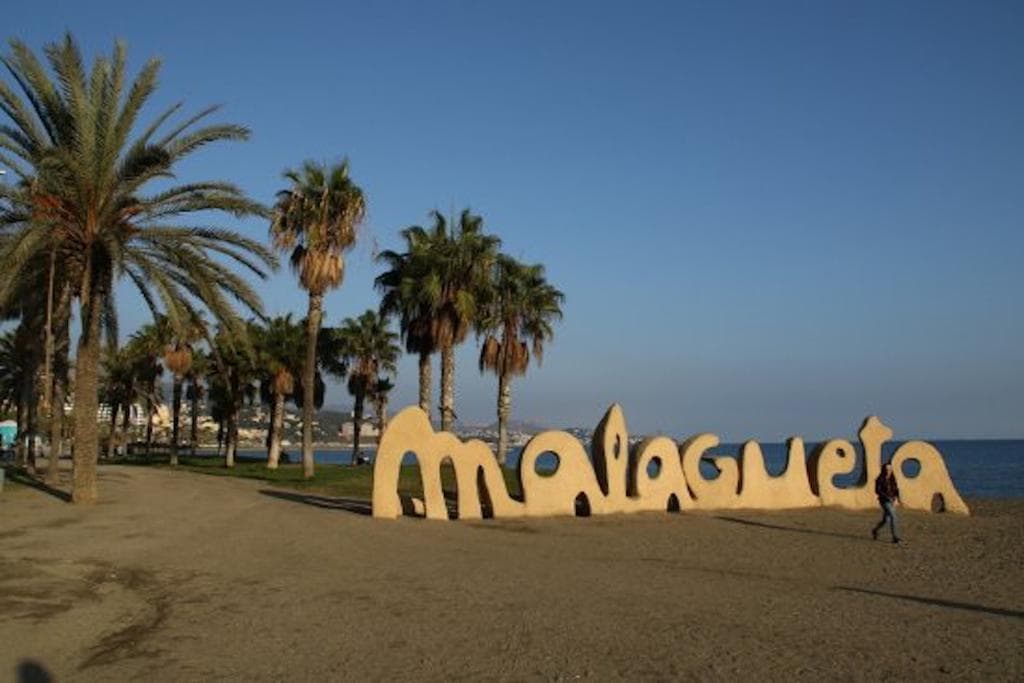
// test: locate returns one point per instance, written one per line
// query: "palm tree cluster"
(450, 280)
(94, 199)
(370, 351)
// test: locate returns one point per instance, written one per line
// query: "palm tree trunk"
(231, 438)
(176, 418)
(194, 436)
(308, 382)
(447, 387)
(56, 433)
(58, 384)
(112, 436)
(357, 426)
(30, 463)
(380, 410)
(22, 419)
(126, 422)
(425, 383)
(46, 408)
(86, 436)
(149, 420)
(504, 411)
(276, 427)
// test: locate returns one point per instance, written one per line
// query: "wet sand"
(178, 576)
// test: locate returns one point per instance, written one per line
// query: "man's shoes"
(874, 534)
(897, 540)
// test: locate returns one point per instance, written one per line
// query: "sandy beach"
(178, 576)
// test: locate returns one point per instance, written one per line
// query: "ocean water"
(979, 469)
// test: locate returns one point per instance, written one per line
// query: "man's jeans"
(888, 514)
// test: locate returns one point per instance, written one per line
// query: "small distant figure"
(888, 493)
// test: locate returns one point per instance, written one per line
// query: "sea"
(989, 468)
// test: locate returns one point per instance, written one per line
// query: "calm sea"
(980, 469)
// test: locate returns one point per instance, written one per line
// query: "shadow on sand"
(798, 530)
(21, 477)
(998, 611)
(359, 507)
(31, 671)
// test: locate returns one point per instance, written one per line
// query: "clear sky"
(769, 218)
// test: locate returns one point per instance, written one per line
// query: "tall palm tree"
(280, 348)
(46, 295)
(433, 288)
(462, 263)
(407, 292)
(57, 352)
(371, 350)
(73, 130)
(316, 219)
(519, 307)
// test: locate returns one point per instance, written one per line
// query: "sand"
(178, 576)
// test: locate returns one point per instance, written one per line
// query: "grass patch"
(341, 481)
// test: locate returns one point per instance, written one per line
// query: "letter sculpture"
(657, 475)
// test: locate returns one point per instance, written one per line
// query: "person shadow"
(796, 530)
(31, 671)
(938, 602)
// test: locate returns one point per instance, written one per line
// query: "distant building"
(347, 430)
(136, 414)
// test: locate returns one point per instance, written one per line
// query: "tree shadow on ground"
(20, 476)
(998, 611)
(794, 529)
(355, 506)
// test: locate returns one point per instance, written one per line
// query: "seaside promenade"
(177, 576)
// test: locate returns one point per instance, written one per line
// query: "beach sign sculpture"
(657, 474)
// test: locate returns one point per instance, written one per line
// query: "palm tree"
(118, 389)
(233, 376)
(371, 349)
(178, 357)
(17, 385)
(73, 131)
(433, 287)
(316, 218)
(379, 396)
(280, 348)
(194, 392)
(407, 292)
(148, 345)
(15, 374)
(22, 204)
(516, 318)
(462, 263)
(57, 351)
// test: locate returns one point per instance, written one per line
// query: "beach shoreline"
(174, 576)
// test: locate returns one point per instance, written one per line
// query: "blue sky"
(769, 218)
